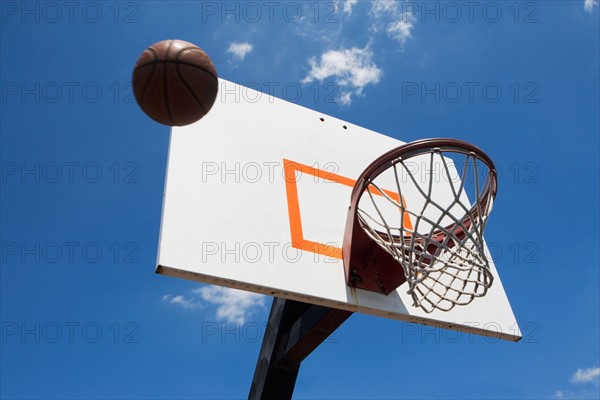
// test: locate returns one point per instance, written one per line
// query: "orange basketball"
(175, 82)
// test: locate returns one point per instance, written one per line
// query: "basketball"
(175, 82)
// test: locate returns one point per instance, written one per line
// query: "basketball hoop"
(437, 239)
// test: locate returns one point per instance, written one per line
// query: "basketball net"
(441, 249)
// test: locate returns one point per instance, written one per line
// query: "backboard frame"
(199, 212)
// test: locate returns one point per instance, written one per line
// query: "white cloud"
(345, 98)
(232, 305)
(583, 394)
(588, 5)
(351, 68)
(188, 304)
(240, 50)
(398, 23)
(586, 375)
(348, 4)
(401, 29)
(379, 7)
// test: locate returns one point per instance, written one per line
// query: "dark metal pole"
(294, 330)
(271, 382)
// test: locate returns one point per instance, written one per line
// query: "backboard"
(256, 197)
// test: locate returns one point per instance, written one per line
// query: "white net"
(430, 226)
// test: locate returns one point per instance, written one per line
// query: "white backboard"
(231, 218)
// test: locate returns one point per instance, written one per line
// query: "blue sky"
(84, 315)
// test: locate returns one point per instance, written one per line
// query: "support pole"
(294, 330)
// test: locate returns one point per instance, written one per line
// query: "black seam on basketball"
(194, 65)
(181, 62)
(200, 68)
(157, 59)
(152, 49)
(146, 84)
(152, 53)
(208, 71)
(187, 86)
(165, 86)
